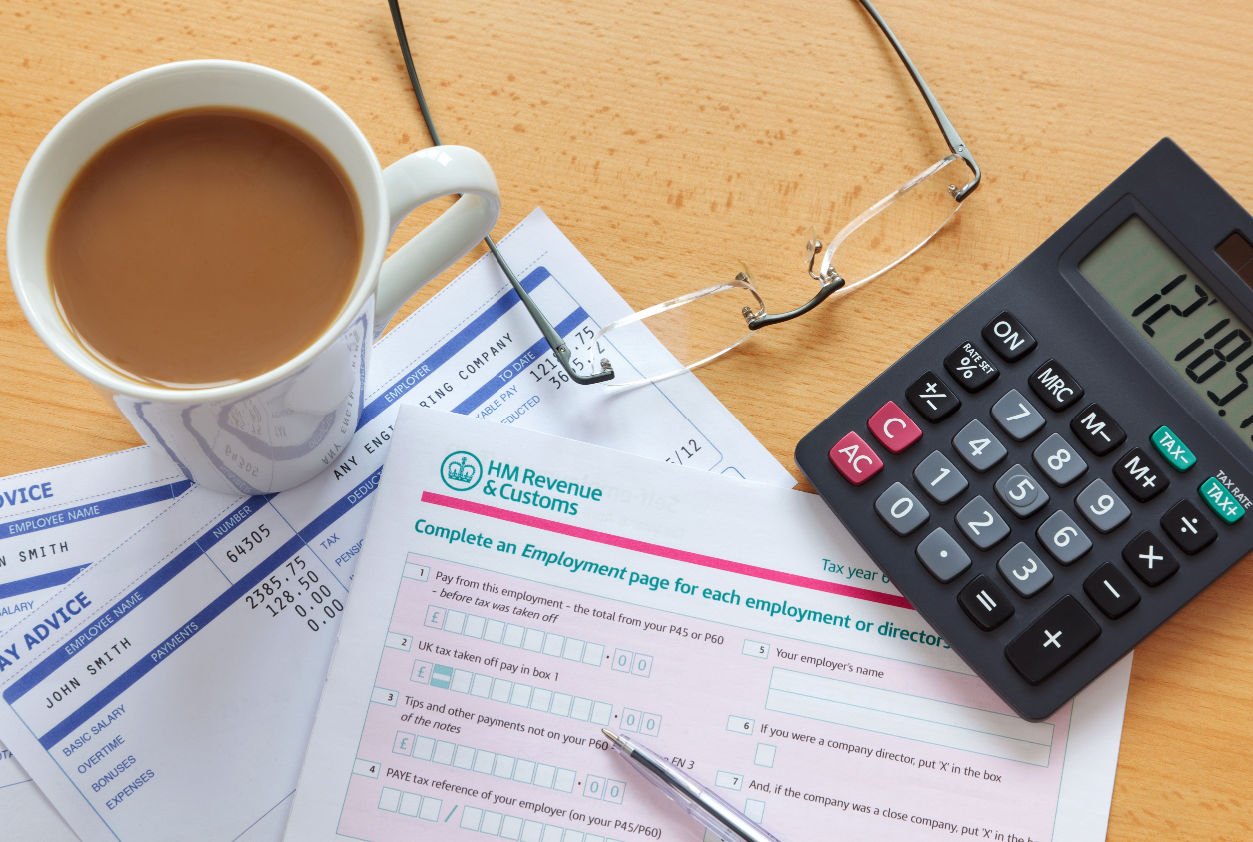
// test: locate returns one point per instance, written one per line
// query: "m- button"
(1055, 385)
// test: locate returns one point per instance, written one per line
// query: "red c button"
(891, 426)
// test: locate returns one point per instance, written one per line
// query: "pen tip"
(611, 736)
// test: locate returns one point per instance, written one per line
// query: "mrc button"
(1006, 335)
(1056, 386)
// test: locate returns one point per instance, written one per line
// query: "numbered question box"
(403, 642)
(384, 696)
(416, 568)
(366, 768)
(756, 649)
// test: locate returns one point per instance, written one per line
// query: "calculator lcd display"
(1179, 317)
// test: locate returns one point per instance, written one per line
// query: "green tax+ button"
(1176, 452)
(1222, 501)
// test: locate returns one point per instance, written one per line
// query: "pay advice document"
(519, 593)
(51, 522)
(166, 645)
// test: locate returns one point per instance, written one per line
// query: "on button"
(1008, 337)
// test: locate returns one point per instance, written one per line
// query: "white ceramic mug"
(278, 429)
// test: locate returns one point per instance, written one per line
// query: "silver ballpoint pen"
(721, 818)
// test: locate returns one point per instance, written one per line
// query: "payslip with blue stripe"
(165, 646)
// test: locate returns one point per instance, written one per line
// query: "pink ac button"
(894, 428)
(853, 458)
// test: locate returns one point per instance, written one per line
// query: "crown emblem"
(462, 471)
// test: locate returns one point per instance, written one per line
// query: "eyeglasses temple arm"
(559, 347)
(955, 143)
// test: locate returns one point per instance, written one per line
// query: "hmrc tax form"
(517, 593)
(167, 691)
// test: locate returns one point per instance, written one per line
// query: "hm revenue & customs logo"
(461, 470)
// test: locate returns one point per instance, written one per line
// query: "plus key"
(1049, 643)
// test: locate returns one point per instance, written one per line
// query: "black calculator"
(1068, 460)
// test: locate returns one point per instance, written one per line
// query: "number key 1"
(939, 477)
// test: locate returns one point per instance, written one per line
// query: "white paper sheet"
(162, 693)
(518, 592)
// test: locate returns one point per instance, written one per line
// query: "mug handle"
(415, 180)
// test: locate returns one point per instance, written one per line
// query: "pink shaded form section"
(684, 556)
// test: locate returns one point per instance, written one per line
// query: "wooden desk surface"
(669, 140)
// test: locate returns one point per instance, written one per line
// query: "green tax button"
(1222, 501)
(1176, 452)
